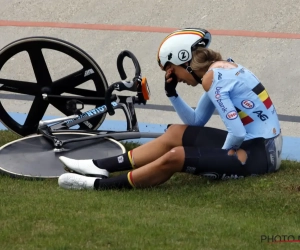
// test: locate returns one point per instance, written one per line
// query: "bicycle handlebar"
(120, 67)
(134, 85)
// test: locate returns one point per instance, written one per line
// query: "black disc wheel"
(33, 157)
(33, 67)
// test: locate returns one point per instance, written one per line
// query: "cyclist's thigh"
(203, 137)
(217, 164)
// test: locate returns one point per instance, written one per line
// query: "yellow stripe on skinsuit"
(242, 114)
(263, 95)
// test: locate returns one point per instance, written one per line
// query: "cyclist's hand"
(170, 84)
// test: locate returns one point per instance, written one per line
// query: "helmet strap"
(189, 69)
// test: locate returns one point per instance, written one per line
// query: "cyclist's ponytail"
(202, 58)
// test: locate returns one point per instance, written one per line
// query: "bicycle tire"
(22, 158)
(41, 42)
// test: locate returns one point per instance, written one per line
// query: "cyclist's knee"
(175, 131)
(173, 160)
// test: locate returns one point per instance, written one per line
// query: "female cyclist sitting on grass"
(251, 145)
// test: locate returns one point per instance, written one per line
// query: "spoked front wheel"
(33, 157)
(35, 66)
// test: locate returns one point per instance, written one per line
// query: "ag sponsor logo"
(247, 104)
(231, 115)
(261, 115)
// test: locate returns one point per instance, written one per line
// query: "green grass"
(187, 212)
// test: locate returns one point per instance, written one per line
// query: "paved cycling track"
(261, 35)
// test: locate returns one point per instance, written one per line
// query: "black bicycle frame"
(126, 103)
(112, 102)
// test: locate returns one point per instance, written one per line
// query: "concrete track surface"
(261, 35)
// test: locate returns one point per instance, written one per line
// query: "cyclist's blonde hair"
(202, 58)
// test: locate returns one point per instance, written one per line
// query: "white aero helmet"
(177, 47)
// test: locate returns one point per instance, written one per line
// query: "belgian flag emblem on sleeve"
(245, 118)
(260, 90)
